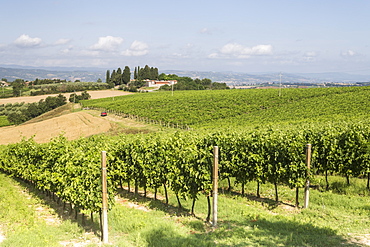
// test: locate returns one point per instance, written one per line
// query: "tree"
(153, 73)
(206, 82)
(146, 72)
(135, 73)
(107, 76)
(118, 78)
(138, 74)
(17, 86)
(126, 76)
(85, 95)
(77, 98)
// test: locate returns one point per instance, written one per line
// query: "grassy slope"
(330, 220)
(20, 223)
(247, 221)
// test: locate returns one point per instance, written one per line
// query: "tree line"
(20, 113)
(122, 78)
(187, 83)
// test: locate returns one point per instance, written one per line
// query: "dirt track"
(94, 95)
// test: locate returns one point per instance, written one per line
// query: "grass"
(248, 220)
(4, 121)
(332, 219)
(6, 92)
(22, 223)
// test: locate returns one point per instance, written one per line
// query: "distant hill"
(232, 78)
(244, 78)
(31, 74)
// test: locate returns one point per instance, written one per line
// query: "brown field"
(94, 95)
(72, 125)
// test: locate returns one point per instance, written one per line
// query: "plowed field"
(72, 126)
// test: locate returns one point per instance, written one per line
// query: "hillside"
(31, 74)
(245, 108)
(72, 126)
(262, 171)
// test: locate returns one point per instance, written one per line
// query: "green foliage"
(179, 161)
(77, 98)
(217, 109)
(46, 81)
(126, 76)
(42, 89)
(17, 86)
(71, 170)
(18, 113)
(4, 121)
(269, 154)
(6, 92)
(146, 73)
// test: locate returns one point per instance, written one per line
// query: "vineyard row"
(182, 161)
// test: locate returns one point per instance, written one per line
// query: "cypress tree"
(139, 72)
(119, 76)
(146, 72)
(126, 75)
(107, 77)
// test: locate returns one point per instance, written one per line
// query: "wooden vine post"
(104, 214)
(215, 185)
(307, 187)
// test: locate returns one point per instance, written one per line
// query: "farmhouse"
(4, 84)
(154, 83)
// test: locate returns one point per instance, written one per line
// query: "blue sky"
(203, 35)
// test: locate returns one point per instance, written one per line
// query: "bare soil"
(72, 126)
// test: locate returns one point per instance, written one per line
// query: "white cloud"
(26, 41)
(240, 51)
(179, 55)
(309, 56)
(213, 55)
(205, 31)
(349, 53)
(108, 43)
(62, 41)
(67, 50)
(137, 48)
